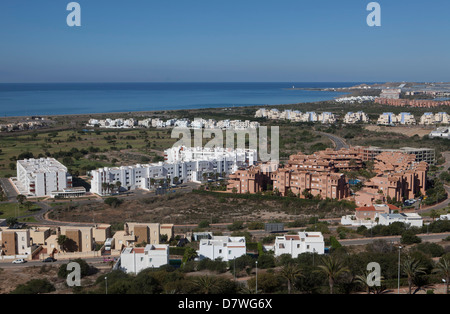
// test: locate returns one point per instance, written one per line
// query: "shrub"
(408, 237)
(34, 286)
(113, 202)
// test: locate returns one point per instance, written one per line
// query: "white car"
(19, 261)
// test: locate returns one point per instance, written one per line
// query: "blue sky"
(224, 41)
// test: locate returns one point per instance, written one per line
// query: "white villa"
(303, 242)
(223, 247)
(135, 259)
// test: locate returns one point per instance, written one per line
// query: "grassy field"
(81, 151)
(15, 210)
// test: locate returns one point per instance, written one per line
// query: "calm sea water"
(79, 98)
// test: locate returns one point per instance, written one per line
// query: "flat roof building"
(41, 177)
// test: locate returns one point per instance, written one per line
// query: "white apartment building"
(412, 219)
(429, 118)
(355, 117)
(136, 259)
(404, 118)
(223, 247)
(327, 118)
(41, 177)
(303, 242)
(355, 99)
(187, 164)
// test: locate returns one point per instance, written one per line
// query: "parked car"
(49, 260)
(19, 261)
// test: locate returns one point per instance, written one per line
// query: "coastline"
(73, 100)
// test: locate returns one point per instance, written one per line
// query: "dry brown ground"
(405, 130)
(11, 277)
(188, 208)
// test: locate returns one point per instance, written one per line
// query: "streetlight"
(256, 277)
(106, 285)
(399, 249)
(314, 253)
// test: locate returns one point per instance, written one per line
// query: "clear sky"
(224, 41)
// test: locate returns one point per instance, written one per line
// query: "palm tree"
(206, 284)
(118, 185)
(104, 186)
(332, 267)
(443, 268)
(62, 241)
(290, 272)
(362, 280)
(412, 268)
(21, 198)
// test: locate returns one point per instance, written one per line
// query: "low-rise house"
(222, 247)
(367, 215)
(303, 242)
(411, 219)
(440, 132)
(136, 259)
(15, 242)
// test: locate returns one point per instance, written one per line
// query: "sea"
(41, 99)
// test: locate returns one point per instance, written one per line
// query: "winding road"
(338, 142)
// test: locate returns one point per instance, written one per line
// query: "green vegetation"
(17, 210)
(82, 151)
(35, 286)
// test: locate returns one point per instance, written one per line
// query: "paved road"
(91, 261)
(339, 142)
(432, 237)
(10, 191)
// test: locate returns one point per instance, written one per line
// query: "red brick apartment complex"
(304, 175)
(398, 176)
(425, 103)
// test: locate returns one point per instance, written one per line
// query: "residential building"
(316, 175)
(427, 155)
(440, 133)
(135, 259)
(303, 242)
(356, 117)
(420, 103)
(81, 239)
(72, 192)
(15, 242)
(390, 93)
(148, 233)
(399, 177)
(39, 235)
(222, 247)
(367, 215)
(411, 219)
(41, 177)
(186, 164)
(404, 118)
